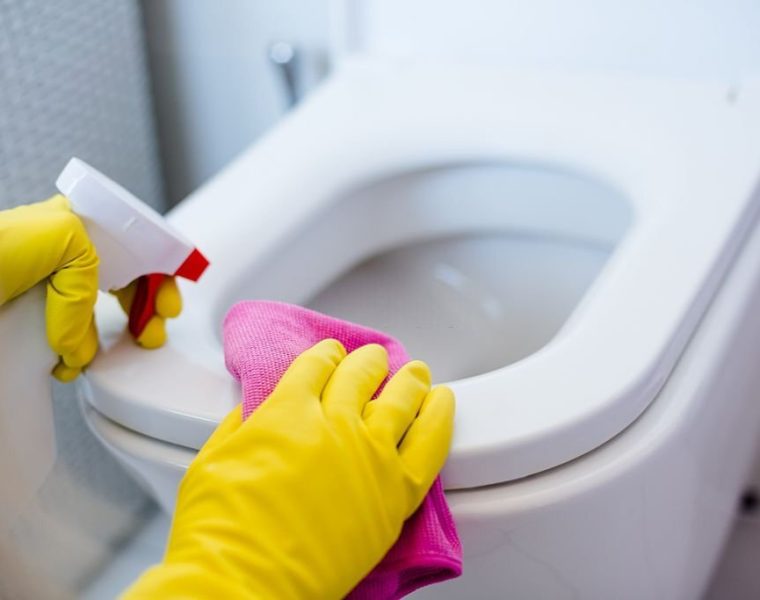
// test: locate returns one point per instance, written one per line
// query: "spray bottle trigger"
(144, 302)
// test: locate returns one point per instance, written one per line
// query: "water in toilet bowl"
(470, 303)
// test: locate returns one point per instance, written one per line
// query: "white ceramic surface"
(669, 168)
(468, 304)
(26, 403)
(709, 39)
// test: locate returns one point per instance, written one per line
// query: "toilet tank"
(712, 39)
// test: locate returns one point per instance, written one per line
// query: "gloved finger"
(83, 354)
(154, 334)
(35, 241)
(168, 304)
(355, 380)
(391, 414)
(168, 299)
(227, 427)
(426, 444)
(308, 374)
(64, 373)
(70, 365)
(126, 295)
(54, 246)
(71, 294)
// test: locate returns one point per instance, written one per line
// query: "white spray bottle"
(131, 239)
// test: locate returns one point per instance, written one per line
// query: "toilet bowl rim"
(633, 391)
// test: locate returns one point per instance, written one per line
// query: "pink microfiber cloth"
(261, 339)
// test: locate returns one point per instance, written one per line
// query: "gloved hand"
(168, 305)
(304, 498)
(48, 241)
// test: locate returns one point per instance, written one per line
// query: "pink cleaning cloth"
(261, 339)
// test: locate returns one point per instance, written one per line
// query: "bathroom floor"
(738, 574)
(145, 549)
(737, 577)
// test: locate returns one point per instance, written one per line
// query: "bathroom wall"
(215, 90)
(686, 38)
(73, 82)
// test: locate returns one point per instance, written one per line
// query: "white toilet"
(576, 255)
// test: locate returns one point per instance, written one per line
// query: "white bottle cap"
(131, 238)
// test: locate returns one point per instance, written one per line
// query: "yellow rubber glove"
(168, 306)
(47, 241)
(305, 497)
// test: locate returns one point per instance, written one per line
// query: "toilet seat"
(692, 191)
